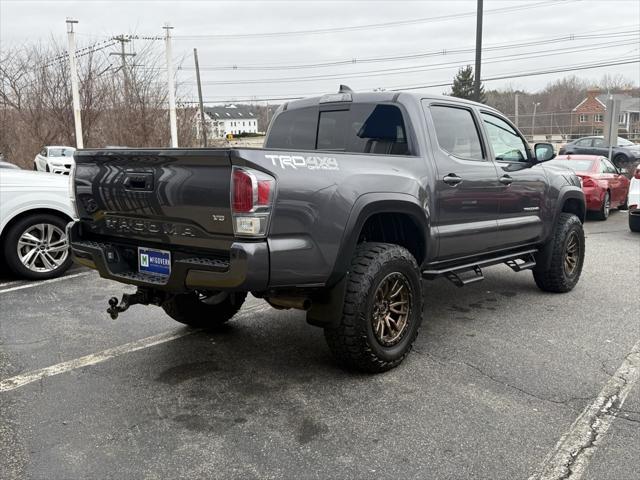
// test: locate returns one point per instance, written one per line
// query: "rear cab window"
(353, 128)
(456, 132)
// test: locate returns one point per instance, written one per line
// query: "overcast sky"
(202, 24)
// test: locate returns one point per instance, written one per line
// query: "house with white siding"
(227, 119)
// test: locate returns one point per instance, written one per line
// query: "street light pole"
(172, 94)
(75, 93)
(533, 120)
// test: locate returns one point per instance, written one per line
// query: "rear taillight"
(636, 175)
(252, 195)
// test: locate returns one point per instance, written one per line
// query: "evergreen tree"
(463, 85)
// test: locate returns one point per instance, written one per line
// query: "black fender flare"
(327, 307)
(570, 192)
(543, 257)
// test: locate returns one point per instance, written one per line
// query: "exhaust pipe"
(283, 303)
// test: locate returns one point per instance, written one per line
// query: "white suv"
(34, 211)
(55, 159)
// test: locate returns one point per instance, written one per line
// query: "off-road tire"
(353, 342)
(10, 243)
(555, 278)
(603, 213)
(187, 308)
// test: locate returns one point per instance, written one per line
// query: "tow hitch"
(141, 297)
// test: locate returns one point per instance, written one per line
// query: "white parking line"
(571, 455)
(94, 358)
(43, 282)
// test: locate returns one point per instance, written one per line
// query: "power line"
(412, 56)
(567, 68)
(421, 68)
(398, 23)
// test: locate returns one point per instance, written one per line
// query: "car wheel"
(567, 257)
(605, 208)
(382, 309)
(634, 222)
(204, 310)
(47, 169)
(36, 247)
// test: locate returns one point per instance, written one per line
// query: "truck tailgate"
(173, 196)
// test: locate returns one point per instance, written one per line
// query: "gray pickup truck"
(355, 199)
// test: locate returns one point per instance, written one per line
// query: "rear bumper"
(246, 268)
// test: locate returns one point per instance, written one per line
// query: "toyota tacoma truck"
(353, 201)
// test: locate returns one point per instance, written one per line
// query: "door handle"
(506, 180)
(452, 179)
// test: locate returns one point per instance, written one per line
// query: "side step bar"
(461, 275)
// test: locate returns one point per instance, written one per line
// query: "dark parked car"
(624, 153)
(354, 200)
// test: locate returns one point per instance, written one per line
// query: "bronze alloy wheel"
(391, 309)
(572, 254)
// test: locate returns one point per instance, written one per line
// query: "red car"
(603, 185)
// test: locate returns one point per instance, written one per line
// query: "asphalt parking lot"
(498, 379)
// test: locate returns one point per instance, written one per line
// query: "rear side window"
(585, 142)
(363, 128)
(377, 129)
(294, 129)
(456, 132)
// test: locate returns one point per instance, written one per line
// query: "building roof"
(627, 102)
(231, 112)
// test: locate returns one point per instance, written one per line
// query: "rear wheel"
(36, 247)
(567, 257)
(204, 310)
(382, 310)
(605, 208)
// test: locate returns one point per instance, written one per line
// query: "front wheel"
(567, 257)
(204, 310)
(382, 309)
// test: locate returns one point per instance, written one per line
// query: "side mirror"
(543, 152)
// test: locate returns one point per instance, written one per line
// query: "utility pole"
(516, 109)
(75, 93)
(123, 56)
(202, 118)
(476, 86)
(172, 94)
(533, 120)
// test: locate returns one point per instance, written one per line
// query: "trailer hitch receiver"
(141, 297)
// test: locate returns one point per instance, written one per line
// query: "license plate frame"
(152, 261)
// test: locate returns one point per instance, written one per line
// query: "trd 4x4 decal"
(298, 161)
